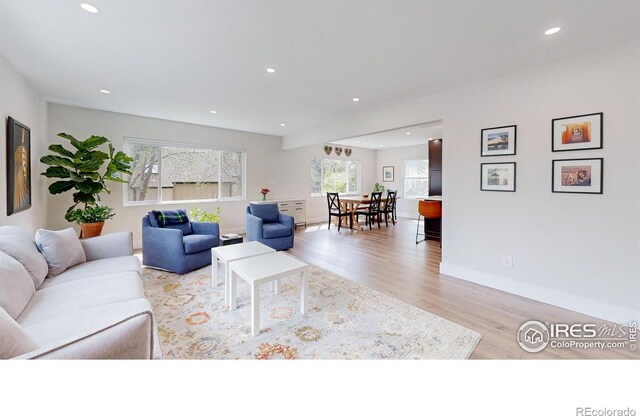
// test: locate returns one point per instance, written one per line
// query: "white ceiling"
(390, 139)
(178, 59)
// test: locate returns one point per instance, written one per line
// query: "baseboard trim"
(563, 300)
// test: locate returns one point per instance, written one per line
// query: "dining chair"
(372, 211)
(389, 208)
(335, 210)
(395, 197)
(430, 210)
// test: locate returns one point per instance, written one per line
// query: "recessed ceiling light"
(355, 99)
(381, 145)
(408, 133)
(271, 70)
(89, 8)
(213, 111)
(105, 91)
(552, 31)
(282, 125)
(357, 141)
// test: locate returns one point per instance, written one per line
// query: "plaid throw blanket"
(171, 217)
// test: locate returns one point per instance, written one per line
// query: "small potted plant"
(91, 219)
(197, 215)
(264, 192)
(378, 188)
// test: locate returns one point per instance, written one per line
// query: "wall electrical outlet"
(507, 261)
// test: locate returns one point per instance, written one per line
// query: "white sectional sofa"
(93, 310)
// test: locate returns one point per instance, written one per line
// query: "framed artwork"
(576, 132)
(498, 141)
(500, 177)
(18, 167)
(577, 176)
(388, 174)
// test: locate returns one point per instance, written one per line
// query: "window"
(332, 175)
(173, 172)
(416, 178)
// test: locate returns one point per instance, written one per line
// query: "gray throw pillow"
(14, 341)
(18, 243)
(16, 286)
(62, 249)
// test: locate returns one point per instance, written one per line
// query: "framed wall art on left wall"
(18, 167)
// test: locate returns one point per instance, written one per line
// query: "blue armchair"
(267, 225)
(179, 248)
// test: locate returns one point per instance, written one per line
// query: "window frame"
(160, 144)
(322, 159)
(405, 177)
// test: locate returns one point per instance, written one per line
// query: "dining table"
(351, 204)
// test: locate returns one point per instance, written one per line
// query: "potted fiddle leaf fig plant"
(86, 169)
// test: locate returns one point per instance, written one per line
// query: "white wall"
(263, 153)
(296, 175)
(286, 173)
(580, 252)
(20, 101)
(395, 157)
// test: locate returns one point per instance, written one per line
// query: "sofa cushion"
(196, 243)
(16, 286)
(95, 268)
(62, 249)
(275, 230)
(14, 341)
(100, 332)
(152, 219)
(76, 296)
(185, 228)
(268, 212)
(18, 243)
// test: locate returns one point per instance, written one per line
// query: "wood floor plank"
(389, 261)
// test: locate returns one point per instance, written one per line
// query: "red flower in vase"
(264, 192)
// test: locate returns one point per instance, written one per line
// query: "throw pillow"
(152, 219)
(171, 219)
(18, 243)
(165, 218)
(61, 249)
(16, 286)
(14, 341)
(268, 212)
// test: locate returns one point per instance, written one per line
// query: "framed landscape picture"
(577, 176)
(498, 141)
(18, 167)
(388, 174)
(577, 132)
(500, 177)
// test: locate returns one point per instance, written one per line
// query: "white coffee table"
(263, 269)
(234, 252)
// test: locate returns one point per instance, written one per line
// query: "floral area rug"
(344, 320)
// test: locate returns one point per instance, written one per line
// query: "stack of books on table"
(230, 236)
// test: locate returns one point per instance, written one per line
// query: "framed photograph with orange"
(577, 132)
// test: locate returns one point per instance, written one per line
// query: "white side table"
(263, 269)
(234, 252)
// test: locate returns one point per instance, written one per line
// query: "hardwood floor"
(388, 260)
